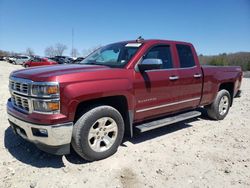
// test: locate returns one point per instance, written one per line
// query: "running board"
(166, 121)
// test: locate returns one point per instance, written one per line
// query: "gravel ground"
(196, 153)
(246, 74)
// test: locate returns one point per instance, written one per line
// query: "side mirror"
(149, 64)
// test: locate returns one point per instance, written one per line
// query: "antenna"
(140, 39)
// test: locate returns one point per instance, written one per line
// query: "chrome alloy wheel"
(223, 105)
(102, 134)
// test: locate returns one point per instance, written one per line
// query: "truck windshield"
(113, 55)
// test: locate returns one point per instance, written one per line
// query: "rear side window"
(161, 52)
(185, 56)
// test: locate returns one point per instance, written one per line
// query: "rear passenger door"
(189, 75)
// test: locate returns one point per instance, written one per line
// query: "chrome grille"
(21, 95)
(20, 102)
(19, 87)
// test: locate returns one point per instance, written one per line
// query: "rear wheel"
(220, 107)
(26, 66)
(98, 133)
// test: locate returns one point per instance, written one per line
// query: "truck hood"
(53, 73)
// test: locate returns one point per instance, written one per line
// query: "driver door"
(155, 90)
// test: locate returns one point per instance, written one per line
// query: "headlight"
(49, 89)
(49, 97)
(49, 106)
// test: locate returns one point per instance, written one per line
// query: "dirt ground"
(197, 153)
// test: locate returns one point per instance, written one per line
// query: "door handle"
(197, 75)
(173, 77)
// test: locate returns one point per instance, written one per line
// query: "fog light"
(39, 132)
(43, 131)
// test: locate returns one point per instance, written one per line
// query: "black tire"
(83, 125)
(213, 109)
(26, 66)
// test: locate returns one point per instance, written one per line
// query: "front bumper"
(56, 140)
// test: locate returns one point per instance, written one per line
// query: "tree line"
(239, 59)
(29, 51)
(58, 49)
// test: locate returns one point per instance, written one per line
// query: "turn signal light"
(53, 106)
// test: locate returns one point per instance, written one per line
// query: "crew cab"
(37, 61)
(120, 88)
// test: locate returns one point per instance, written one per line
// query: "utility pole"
(72, 50)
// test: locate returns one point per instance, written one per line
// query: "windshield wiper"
(92, 63)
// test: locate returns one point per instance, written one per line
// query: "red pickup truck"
(120, 88)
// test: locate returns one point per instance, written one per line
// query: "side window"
(185, 56)
(127, 54)
(161, 52)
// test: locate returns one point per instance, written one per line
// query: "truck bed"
(214, 76)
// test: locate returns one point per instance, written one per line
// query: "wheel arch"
(119, 102)
(229, 86)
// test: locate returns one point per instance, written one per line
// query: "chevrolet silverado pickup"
(120, 88)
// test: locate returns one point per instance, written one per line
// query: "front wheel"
(220, 107)
(98, 133)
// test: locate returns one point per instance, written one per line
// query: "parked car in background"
(39, 62)
(62, 59)
(78, 60)
(11, 59)
(19, 60)
(68, 59)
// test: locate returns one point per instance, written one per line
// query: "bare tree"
(4, 53)
(30, 52)
(74, 52)
(60, 49)
(49, 51)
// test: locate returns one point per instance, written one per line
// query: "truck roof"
(152, 41)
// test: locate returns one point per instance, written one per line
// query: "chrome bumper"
(59, 134)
